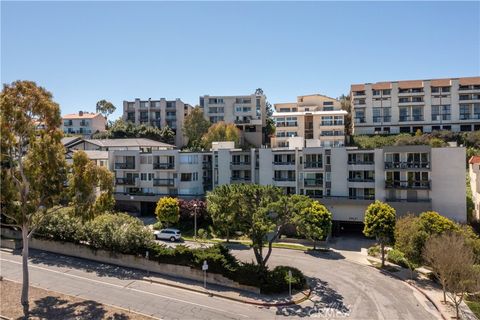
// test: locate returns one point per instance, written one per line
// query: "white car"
(168, 234)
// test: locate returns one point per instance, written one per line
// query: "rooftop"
(474, 159)
(81, 115)
(140, 142)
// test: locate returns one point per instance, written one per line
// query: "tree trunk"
(25, 284)
(228, 235)
(382, 245)
(314, 244)
(444, 292)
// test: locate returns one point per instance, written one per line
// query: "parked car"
(168, 234)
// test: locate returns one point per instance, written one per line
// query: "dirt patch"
(45, 304)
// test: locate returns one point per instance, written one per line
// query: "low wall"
(130, 261)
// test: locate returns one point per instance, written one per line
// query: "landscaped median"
(123, 240)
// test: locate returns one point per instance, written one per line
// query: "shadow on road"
(54, 308)
(330, 255)
(323, 302)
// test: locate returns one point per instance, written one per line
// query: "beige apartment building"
(312, 117)
(159, 113)
(425, 105)
(247, 112)
(83, 123)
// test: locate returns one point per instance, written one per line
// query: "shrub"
(277, 280)
(167, 210)
(374, 251)
(61, 226)
(157, 225)
(397, 257)
(119, 233)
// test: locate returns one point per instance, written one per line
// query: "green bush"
(397, 257)
(277, 280)
(119, 233)
(374, 251)
(157, 225)
(61, 226)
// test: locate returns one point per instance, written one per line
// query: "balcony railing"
(411, 118)
(283, 163)
(312, 182)
(163, 182)
(318, 164)
(284, 179)
(361, 162)
(408, 200)
(404, 184)
(124, 165)
(361, 179)
(407, 165)
(244, 179)
(360, 120)
(125, 181)
(240, 163)
(163, 165)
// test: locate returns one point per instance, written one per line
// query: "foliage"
(157, 225)
(221, 131)
(380, 223)
(85, 179)
(346, 105)
(314, 222)
(397, 257)
(121, 129)
(105, 107)
(167, 210)
(223, 208)
(33, 167)
(410, 237)
(452, 261)
(278, 280)
(433, 223)
(187, 209)
(194, 127)
(469, 196)
(63, 226)
(117, 232)
(374, 251)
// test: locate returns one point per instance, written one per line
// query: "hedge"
(125, 234)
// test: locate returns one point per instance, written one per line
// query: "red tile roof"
(469, 81)
(474, 159)
(85, 115)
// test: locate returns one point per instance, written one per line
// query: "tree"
(121, 129)
(452, 261)
(433, 223)
(346, 104)
(409, 239)
(32, 160)
(221, 131)
(105, 107)
(167, 210)
(380, 223)
(314, 222)
(223, 208)
(269, 122)
(194, 127)
(90, 186)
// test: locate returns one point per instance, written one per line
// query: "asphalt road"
(342, 289)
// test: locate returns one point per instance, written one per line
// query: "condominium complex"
(474, 171)
(159, 113)
(83, 123)
(425, 105)
(247, 112)
(312, 117)
(410, 178)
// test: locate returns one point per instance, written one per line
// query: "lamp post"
(195, 221)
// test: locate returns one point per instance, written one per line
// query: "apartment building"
(312, 117)
(247, 112)
(425, 105)
(474, 172)
(412, 179)
(83, 123)
(159, 113)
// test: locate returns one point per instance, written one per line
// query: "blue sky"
(86, 51)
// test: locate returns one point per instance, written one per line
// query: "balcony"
(332, 133)
(125, 165)
(240, 179)
(240, 163)
(287, 124)
(411, 118)
(361, 162)
(408, 200)
(404, 184)
(309, 165)
(283, 163)
(163, 182)
(125, 181)
(407, 165)
(361, 180)
(284, 179)
(163, 165)
(313, 182)
(332, 123)
(67, 123)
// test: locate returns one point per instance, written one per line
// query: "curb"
(212, 294)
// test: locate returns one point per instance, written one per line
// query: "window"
(403, 114)
(359, 116)
(377, 115)
(417, 113)
(465, 127)
(464, 111)
(386, 92)
(376, 92)
(186, 177)
(151, 176)
(188, 159)
(143, 176)
(476, 110)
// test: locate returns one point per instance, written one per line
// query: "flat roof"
(297, 113)
(136, 142)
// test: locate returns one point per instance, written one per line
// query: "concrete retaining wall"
(129, 261)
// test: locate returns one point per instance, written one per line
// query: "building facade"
(474, 172)
(412, 179)
(312, 117)
(159, 114)
(425, 105)
(247, 112)
(83, 123)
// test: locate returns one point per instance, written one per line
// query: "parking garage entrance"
(347, 228)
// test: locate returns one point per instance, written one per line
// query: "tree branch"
(47, 213)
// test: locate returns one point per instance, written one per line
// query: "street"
(341, 289)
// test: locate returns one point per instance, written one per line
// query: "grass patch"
(474, 305)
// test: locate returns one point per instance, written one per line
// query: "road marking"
(132, 289)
